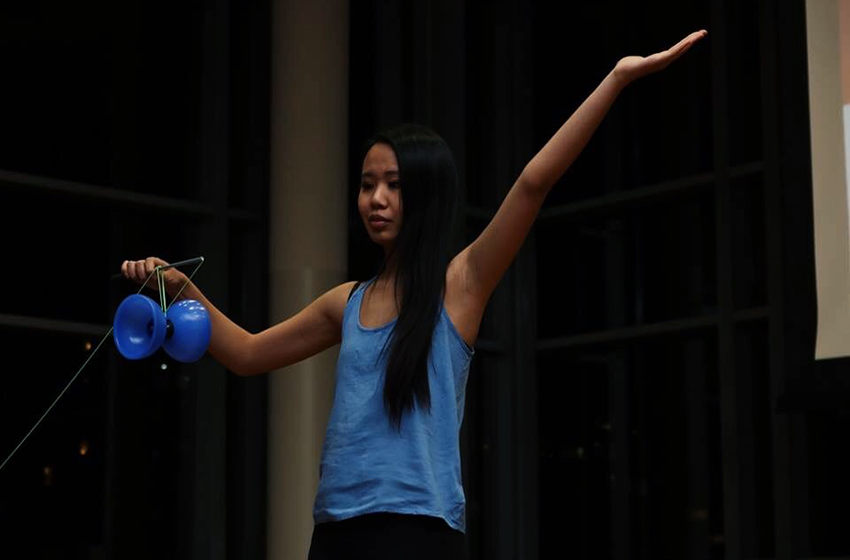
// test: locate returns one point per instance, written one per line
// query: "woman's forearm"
(559, 153)
(229, 343)
(563, 148)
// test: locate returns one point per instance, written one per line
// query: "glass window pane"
(58, 261)
(743, 75)
(829, 485)
(755, 432)
(644, 265)
(675, 458)
(101, 97)
(749, 266)
(53, 487)
(574, 426)
(631, 433)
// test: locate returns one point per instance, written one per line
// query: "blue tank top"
(369, 466)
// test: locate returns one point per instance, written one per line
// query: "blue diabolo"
(140, 328)
(191, 334)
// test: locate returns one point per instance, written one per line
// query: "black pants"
(379, 536)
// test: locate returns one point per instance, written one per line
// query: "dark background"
(644, 383)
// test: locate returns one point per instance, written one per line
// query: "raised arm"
(488, 257)
(313, 329)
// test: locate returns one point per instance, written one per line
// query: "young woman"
(390, 480)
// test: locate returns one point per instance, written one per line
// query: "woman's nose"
(379, 195)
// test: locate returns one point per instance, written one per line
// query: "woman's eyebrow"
(372, 174)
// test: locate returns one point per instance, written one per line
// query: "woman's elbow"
(533, 182)
(246, 370)
(241, 361)
(241, 371)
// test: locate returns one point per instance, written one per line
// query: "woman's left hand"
(631, 68)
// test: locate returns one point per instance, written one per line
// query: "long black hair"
(421, 254)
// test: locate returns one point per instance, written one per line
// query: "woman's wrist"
(618, 78)
(184, 289)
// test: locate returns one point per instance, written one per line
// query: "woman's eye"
(393, 184)
(365, 186)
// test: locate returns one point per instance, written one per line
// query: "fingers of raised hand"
(633, 67)
(686, 43)
(666, 57)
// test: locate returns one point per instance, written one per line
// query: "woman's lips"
(378, 223)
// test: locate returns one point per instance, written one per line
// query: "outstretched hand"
(631, 68)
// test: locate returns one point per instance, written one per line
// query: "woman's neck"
(389, 269)
(385, 286)
(385, 281)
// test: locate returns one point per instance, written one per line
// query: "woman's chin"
(385, 241)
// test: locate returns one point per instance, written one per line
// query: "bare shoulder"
(332, 303)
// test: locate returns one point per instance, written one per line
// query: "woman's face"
(379, 201)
